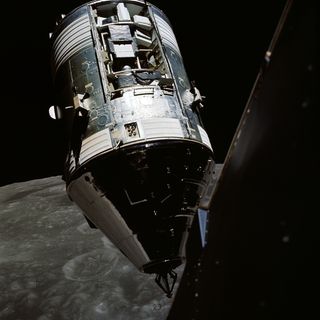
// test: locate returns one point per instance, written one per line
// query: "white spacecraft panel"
(204, 137)
(71, 40)
(162, 127)
(95, 144)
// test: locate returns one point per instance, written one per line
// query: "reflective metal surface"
(139, 163)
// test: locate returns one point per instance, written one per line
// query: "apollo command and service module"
(139, 162)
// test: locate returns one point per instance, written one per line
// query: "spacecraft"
(139, 162)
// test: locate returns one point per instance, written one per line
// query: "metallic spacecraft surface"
(139, 162)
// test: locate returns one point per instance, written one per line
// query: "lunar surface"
(54, 266)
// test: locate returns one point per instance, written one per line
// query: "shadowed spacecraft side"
(140, 164)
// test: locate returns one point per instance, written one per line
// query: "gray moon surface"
(54, 266)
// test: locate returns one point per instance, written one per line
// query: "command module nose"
(139, 163)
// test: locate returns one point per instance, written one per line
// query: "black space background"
(222, 47)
